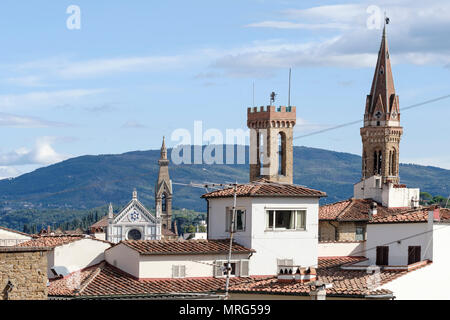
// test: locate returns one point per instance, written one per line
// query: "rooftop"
(265, 188)
(107, 281)
(104, 280)
(163, 247)
(52, 241)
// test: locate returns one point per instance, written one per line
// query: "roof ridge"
(90, 278)
(351, 202)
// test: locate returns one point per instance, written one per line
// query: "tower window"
(282, 154)
(164, 203)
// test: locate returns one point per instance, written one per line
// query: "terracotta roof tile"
(264, 188)
(52, 241)
(160, 247)
(106, 280)
(353, 210)
(344, 282)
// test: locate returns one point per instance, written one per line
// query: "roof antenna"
(253, 94)
(289, 92)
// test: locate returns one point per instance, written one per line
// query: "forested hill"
(87, 182)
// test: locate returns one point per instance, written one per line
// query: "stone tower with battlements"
(163, 191)
(271, 143)
(382, 131)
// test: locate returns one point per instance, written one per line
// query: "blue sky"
(138, 70)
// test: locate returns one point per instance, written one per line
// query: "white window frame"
(267, 210)
(228, 218)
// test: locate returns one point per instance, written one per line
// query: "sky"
(135, 71)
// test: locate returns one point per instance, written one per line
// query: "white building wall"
(124, 258)
(78, 255)
(10, 238)
(160, 266)
(430, 282)
(398, 236)
(342, 249)
(385, 194)
(301, 246)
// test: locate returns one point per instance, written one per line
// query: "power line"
(359, 121)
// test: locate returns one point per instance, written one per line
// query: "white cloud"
(8, 172)
(416, 36)
(16, 121)
(41, 154)
(26, 81)
(295, 25)
(44, 98)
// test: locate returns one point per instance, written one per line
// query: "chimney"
(373, 210)
(318, 290)
(436, 214)
(49, 230)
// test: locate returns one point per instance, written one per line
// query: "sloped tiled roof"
(407, 216)
(161, 247)
(52, 241)
(106, 280)
(345, 283)
(353, 210)
(102, 223)
(264, 188)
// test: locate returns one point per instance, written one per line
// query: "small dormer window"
(381, 70)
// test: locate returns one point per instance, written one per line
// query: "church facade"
(135, 221)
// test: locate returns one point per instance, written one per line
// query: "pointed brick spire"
(164, 150)
(382, 101)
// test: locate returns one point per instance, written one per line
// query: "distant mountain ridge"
(93, 181)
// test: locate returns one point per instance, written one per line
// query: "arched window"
(261, 153)
(377, 161)
(282, 154)
(164, 203)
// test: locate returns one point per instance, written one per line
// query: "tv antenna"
(289, 92)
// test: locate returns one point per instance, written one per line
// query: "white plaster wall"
(100, 235)
(301, 246)
(381, 234)
(342, 249)
(79, 254)
(160, 266)
(217, 220)
(9, 238)
(124, 258)
(431, 282)
(387, 195)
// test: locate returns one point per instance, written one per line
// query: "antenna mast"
(289, 93)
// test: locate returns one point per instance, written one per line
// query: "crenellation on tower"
(271, 145)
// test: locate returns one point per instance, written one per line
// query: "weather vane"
(272, 97)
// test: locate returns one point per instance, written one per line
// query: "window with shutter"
(244, 272)
(383, 256)
(413, 254)
(178, 271)
(175, 272)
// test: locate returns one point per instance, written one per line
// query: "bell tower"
(163, 190)
(382, 131)
(271, 145)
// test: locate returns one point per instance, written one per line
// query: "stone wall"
(26, 270)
